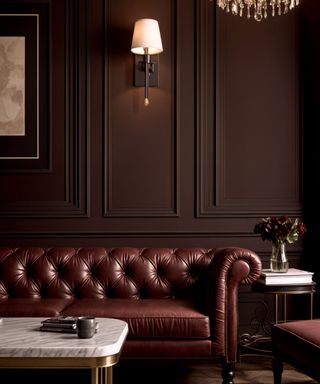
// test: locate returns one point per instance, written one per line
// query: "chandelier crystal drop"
(257, 8)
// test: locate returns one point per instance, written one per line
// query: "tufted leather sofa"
(178, 303)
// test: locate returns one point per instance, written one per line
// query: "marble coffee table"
(23, 345)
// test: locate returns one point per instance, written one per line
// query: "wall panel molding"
(137, 120)
(69, 141)
(125, 234)
(221, 155)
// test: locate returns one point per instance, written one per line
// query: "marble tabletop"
(21, 337)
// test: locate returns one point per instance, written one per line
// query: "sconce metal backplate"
(139, 74)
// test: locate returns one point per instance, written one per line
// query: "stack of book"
(293, 276)
(60, 324)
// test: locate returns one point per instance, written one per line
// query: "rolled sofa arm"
(229, 268)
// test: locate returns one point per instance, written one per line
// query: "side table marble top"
(21, 338)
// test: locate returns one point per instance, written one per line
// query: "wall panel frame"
(230, 180)
(61, 190)
(133, 188)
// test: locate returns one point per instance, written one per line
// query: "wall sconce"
(146, 41)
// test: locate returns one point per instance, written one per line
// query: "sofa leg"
(277, 367)
(228, 373)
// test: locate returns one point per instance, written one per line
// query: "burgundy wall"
(219, 147)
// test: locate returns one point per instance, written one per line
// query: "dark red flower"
(280, 229)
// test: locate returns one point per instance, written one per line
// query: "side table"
(249, 343)
(23, 345)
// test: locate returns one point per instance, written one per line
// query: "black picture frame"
(31, 151)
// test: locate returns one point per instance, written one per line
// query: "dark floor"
(249, 371)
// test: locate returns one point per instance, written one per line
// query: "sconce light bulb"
(146, 102)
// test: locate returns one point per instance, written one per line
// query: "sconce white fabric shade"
(146, 34)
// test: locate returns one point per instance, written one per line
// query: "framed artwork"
(12, 85)
(24, 89)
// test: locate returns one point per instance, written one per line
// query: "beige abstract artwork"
(12, 86)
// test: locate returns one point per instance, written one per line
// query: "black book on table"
(47, 328)
(60, 320)
(59, 324)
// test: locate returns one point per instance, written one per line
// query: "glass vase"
(279, 261)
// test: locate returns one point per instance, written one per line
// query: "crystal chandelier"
(260, 7)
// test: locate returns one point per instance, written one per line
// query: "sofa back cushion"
(135, 273)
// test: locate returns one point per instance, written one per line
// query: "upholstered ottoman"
(298, 344)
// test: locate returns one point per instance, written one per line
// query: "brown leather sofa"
(178, 303)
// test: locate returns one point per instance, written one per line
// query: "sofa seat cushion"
(298, 341)
(32, 307)
(148, 318)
